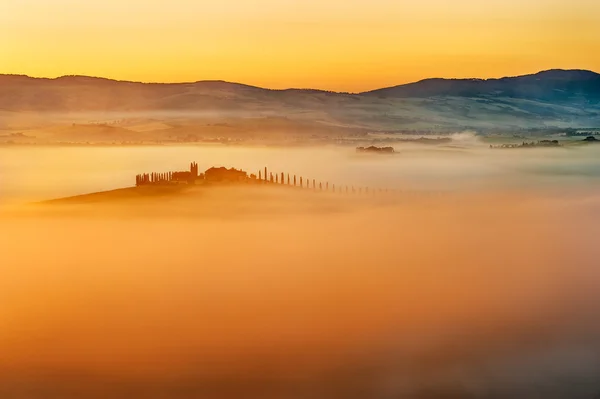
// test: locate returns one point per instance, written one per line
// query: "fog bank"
(272, 293)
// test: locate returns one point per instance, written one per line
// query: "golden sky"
(347, 45)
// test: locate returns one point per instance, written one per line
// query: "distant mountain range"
(578, 86)
(554, 98)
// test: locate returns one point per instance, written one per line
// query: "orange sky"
(347, 45)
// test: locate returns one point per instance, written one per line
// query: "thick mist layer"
(238, 292)
(466, 163)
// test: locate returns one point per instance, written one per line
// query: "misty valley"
(467, 271)
(213, 240)
(299, 199)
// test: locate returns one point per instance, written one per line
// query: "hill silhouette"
(553, 86)
(554, 98)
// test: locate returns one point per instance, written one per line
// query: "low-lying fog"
(487, 291)
(37, 173)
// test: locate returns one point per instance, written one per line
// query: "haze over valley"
(475, 278)
(77, 109)
(299, 199)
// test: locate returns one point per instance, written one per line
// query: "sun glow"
(340, 45)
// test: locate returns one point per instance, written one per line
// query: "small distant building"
(183, 177)
(223, 174)
(187, 177)
(373, 149)
(192, 177)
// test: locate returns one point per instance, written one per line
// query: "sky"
(342, 45)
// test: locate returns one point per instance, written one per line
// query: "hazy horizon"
(340, 45)
(56, 77)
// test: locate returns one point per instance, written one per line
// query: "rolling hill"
(555, 86)
(549, 99)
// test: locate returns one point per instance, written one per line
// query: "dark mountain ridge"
(554, 85)
(553, 98)
(568, 79)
